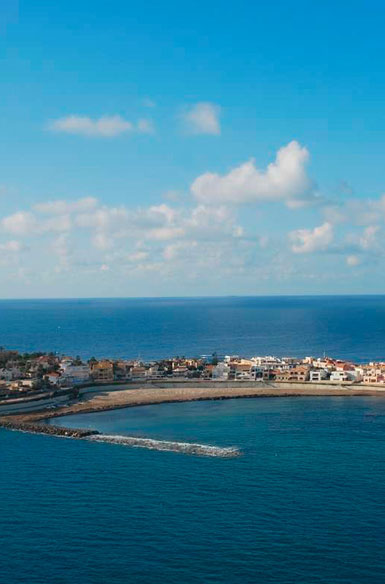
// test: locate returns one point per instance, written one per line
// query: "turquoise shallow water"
(304, 504)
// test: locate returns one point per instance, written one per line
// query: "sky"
(191, 149)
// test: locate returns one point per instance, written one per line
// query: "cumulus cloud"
(203, 118)
(20, 223)
(25, 223)
(285, 179)
(102, 241)
(353, 260)
(61, 207)
(368, 238)
(201, 237)
(145, 126)
(12, 246)
(60, 246)
(311, 240)
(356, 211)
(104, 127)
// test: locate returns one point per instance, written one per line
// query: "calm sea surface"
(347, 327)
(304, 504)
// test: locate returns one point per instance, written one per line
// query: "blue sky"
(137, 139)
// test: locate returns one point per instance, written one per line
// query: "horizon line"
(198, 297)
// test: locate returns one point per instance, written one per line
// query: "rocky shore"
(41, 428)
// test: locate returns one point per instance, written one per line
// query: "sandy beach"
(114, 399)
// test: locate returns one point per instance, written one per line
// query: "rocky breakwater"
(166, 445)
(41, 428)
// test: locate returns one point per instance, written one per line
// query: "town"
(22, 374)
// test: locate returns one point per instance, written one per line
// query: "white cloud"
(60, 247)
(368, 238)
(104, 218)
(25, 223)
(357, 211)
(310, 240)
(353, 260)
(105, 126)
(203, 118)
(102, 241)
(12, 246)
(57, 223)
(165, 233)
(137, 256)
(20, 223)
(145, 126)
(61, 207)
(285, 179)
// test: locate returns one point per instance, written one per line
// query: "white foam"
(185, 447)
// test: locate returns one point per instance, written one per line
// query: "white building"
(317, 375)
(221, 372)
(342, 376)
(10, 374)
(74, 374)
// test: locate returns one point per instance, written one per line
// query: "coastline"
(101, 400)
(38, 422)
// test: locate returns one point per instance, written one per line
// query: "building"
(102, 371)
(299, 373)
(221, 372)
(317, 375)
(208, 371)
(75, 374)
(154, 372)
(138, 372)
(340, 376)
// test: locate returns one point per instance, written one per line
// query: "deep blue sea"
(351, 327)
(304, 504)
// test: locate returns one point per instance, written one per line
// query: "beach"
(111, 399)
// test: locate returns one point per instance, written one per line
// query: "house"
(75, 374)
(180, 371)
(102, 371)
(138, 372)
(123, 370)
(269, 374)
(24, 384)
(317, 375)
(267, 362)
(256, 372)
(8, 374)
(240, 371)
(54, 378)
(154, 372)
(340, 376)
(221, 372)
(208, 371)
(299, 373)
(374, 377)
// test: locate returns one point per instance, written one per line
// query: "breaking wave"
(184, 447)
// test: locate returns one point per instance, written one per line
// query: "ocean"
(349, 327)
(303, 504)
